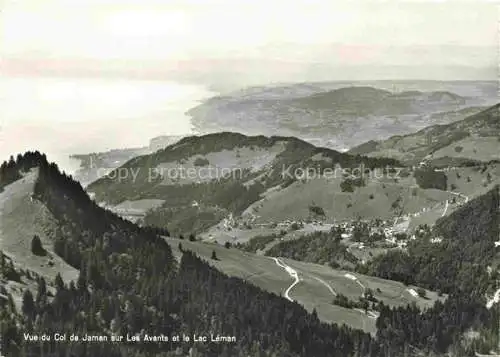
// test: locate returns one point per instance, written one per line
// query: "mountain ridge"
(329, 116)
(230, 171)
(433, 140)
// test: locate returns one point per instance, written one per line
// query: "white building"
(413, 292)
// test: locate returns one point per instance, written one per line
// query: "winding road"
(292, 272)
(355, 279)
(461, 195)
(445, 209)
(425, 209)
(295, 275)
(327, 285)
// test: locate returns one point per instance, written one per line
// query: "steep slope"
(22, 218)
(130, 285)
(463, 262)
(477, 221)
(468, 233)
(473, 138)
(382, 198)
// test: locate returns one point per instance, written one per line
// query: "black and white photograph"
(249, 178)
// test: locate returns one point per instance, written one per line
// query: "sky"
(179, 35)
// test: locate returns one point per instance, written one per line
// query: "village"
(360, 233)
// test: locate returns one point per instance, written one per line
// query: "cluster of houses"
(391, 230)
(249, 221)
(229, 222)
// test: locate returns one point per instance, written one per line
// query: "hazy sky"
(349, 32)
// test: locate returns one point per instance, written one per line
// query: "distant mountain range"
(326, 115)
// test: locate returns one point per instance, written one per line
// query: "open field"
(476, 148)
(135, 211)
(20, 219)
(473, 181)
(261, 271)
(474, 137)
(391, 293)
(465, 182)
(217, 164)
(316, 282)
(375, 200)
(218, 234)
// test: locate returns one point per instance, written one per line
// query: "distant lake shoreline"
(65, 116)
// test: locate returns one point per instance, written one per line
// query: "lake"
(63, 116)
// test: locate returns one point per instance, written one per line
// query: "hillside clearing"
(313, 291)
(375, 200)
(20, 219)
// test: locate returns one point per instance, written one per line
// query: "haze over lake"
(63, 116)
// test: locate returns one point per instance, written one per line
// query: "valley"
(354, 242)
(249, 179)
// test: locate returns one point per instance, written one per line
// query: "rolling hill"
(330, 114)
(203, 183)
(203, 179)
(475, 138)
(24, 202)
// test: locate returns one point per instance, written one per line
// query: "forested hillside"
(318, 247)
(458, 265)
(130, 284)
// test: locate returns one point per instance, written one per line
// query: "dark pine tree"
(36, 246)
(28, 307)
